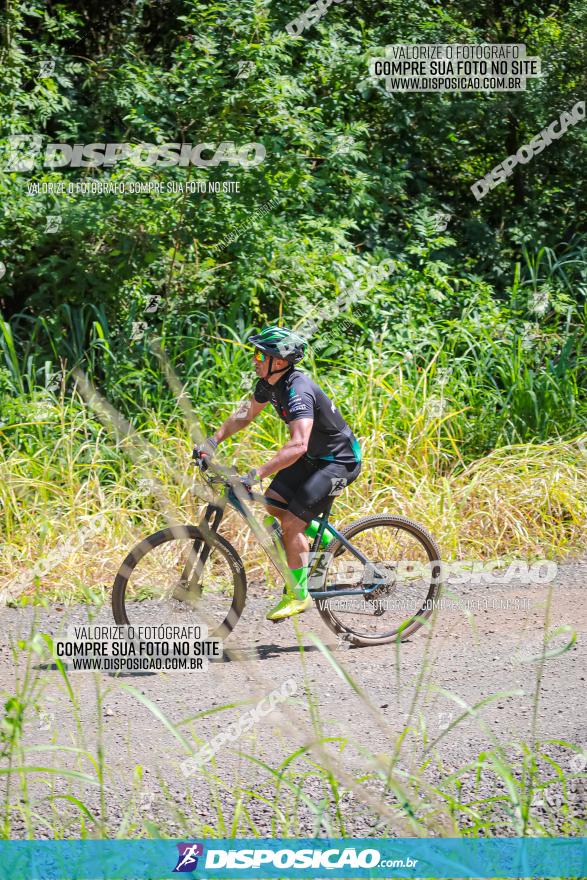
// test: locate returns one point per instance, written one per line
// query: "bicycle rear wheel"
(176, 576)
(404, 569)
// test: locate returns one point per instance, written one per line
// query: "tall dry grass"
(75, 496)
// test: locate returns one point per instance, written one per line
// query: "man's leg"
(275, 511)
(272, 519)
(294, 540)
(293, 529)
(296, 597)
(310, 529)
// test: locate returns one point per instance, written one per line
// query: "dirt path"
(472, 658)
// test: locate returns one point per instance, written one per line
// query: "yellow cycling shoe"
(287, 606)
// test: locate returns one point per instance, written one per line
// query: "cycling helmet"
(280, 342)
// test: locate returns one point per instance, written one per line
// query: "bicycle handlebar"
(220, 473)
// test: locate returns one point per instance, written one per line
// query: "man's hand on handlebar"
(250, 479)
(203, 453)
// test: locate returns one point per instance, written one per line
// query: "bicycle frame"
(214, 514)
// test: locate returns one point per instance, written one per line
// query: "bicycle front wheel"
(177, 576)
(401, 580)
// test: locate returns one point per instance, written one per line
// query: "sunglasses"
(259, 356)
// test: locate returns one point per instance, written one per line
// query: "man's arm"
(243, 416)
(295, 447)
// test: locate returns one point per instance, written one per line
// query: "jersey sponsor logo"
(338, 484)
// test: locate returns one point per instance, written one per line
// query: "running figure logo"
(187, 859)
(338, 484)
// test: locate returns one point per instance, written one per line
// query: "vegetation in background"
(169, 71)
(463, 371)
(60, 466)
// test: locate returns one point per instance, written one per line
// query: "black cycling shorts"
(308, 484)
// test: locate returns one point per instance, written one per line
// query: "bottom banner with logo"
(293, 857)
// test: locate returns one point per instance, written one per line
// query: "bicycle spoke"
(397, 582)
(178, 579)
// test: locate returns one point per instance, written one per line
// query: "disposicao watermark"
(25, 151)
(276, 861)
(139, 328)
(344, 300)
(128, 649)
(44, 565)
(527, 152)
(232, 236)
(405, 571)
(310, 17)
(234, 730)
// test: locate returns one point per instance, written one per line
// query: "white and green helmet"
(280, 342)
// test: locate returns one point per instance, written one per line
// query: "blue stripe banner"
(293, 857)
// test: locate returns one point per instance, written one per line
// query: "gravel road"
(470, 655)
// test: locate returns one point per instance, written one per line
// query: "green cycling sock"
(300, 579)
(312, 530)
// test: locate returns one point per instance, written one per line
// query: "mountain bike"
(375, 582)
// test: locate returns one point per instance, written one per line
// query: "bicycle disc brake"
(375, 596)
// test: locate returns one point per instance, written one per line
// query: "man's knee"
(271, 495)
(292, 524)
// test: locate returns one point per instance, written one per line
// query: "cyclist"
(321, 456)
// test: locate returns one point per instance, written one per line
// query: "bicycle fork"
(187, 590)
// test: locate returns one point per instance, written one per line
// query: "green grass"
(440, 345)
